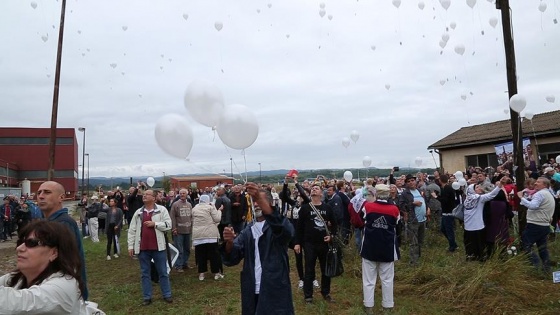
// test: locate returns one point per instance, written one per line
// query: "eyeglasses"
(30, 242)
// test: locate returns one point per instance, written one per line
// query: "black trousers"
(111, 240)
(475, 244)
(205, 252)
(312, 252)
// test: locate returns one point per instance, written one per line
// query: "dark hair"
(444, 178)
(340, 184)
(54, 235)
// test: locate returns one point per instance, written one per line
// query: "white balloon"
(124, 28)
(493, 21)
(517, 103)
(445, 37)
(458, 175)
(463, 97)
(150, 181)
(397, 3)
(345, 142)
(205, 102)
(542, 6)
(550, 98)
(322, 12)
(445, 3)
(462, 181)
(558, 159)
(330, 17)
(185, 16)
(418, 161)
(348, 176)
(354, 135)
(442, 44)
(456, 185)
(529, 115)
(367, 161)
(174, 135)
(113, 65)
(452, 25)
(218, 25)
(471, 3)
(45, 38)
(421, 5)
(373, 47)
(506, 111)
(238, 127)
(322, 5)
(460, 49)
(34, 5)
(442, 82)
(387, 86)
(269, 5)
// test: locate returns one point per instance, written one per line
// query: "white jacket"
(58, 294)
(205, 221)
(163, 223)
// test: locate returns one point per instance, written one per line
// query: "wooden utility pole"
(517, 132)
(54, 115)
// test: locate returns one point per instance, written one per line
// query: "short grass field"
(443, 283)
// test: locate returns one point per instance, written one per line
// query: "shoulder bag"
(333, 265)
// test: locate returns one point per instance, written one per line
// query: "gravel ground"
(7, 249)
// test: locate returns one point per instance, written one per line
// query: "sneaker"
(108, 257)
(201, 277)
(316, 284)
(218, 276)
(116, 255)
(328, 298)
(168, 300)
(308, 300)
(146, 302)
(300, 284)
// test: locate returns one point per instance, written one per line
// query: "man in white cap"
(92, 212)
(552, 174)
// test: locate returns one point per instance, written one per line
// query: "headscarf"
(472, 197)
(204, 199)
(358, 200)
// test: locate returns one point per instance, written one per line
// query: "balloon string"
(245, 161)
(235, 164)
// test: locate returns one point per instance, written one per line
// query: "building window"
(482, 160)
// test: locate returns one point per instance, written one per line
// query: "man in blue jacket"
(263, 244)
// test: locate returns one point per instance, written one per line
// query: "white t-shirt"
(257, 233)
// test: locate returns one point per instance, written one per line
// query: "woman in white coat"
(205, 235)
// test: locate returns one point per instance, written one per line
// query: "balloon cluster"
(354, 135)
(236, 125)
(461, 181)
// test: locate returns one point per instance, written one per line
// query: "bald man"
(50, 196)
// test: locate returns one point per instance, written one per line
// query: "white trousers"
(94, 229)
(386, 272)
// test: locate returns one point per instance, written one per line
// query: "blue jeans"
(448, 229)
(160, 260)
(358, 238)
(536, 234)
(183, 244)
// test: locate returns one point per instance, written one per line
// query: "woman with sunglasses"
(48, 275)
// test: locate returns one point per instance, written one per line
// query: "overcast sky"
(309, 80)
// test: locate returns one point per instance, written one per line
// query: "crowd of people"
(254, 224)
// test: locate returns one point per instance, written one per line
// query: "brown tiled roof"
(543, 124)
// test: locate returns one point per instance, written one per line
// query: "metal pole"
(231, 167)
(260, 174)
(52, 141)
(82, 129)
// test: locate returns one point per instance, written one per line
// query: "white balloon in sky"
(347, 176)
(322, 5)
(452, 25)
(205, 102)
(174, 135)
(150, 181)
(506, 111)
(124, 28)
(517, 103)
(445, 37)
(238, 127)
(185, 16)
(442, 82)
(442, 43)
(421, 5)
(366, 161)
(330, 17)
(345, 142)
(218, 25)
(113, 65)
(460, 49)
(45, 38)
(550, 98)
(322, 12)
(529, 115)
(471, 3)
(269, 5)
(445, 3)
(397, 3)
(372, 47)
(354, 135)
(418, 161)
(387, 86)
(34, 5)
(493, 21)
(542, 6)
(463, 97)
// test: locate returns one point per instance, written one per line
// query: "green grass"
(443, 284)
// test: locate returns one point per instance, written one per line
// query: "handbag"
(459, 212)
(333, 263)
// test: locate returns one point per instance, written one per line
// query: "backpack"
(355, 219)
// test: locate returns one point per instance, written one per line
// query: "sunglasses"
(30, 242)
